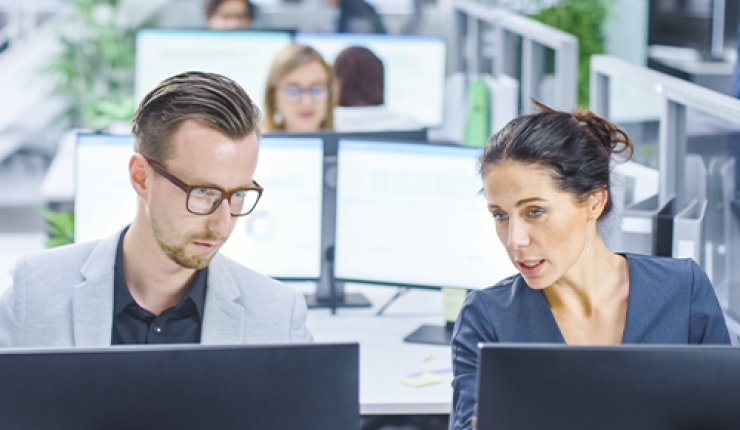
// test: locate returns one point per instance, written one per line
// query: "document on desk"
(424, 380)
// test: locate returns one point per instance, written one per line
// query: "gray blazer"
(63, 297)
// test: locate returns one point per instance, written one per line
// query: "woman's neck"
(597, 277)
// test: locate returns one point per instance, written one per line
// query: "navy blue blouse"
(670, 301)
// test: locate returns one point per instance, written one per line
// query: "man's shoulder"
(251, 281)
(59, 258)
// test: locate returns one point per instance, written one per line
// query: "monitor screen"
(686, 23)
(414, 69)
(282, 237)
(244, 56)
(105, 201)
(608, 388)
(307, 387)
(413, 214)
(272, 240)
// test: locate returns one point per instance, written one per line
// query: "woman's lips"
(530, 267)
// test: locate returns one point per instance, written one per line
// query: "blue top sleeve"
(707, 324)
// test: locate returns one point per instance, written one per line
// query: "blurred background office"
(455, 69)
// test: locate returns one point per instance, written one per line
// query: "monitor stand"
(453, 299)
(340, 300)
(330, 292)
(432, 334)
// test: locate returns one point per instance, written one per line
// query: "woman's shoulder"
(652, 265)
(501, 294)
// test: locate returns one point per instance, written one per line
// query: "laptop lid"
(625, 387)
(306, 386)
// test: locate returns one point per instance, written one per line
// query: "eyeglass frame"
(306, 91)
(187, 188)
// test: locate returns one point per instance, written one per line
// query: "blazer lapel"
(92, 306)
(223, 318)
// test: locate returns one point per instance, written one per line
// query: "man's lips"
(207, 245)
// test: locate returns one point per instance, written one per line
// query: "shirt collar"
(122, 297)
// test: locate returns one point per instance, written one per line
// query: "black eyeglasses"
(204, 200)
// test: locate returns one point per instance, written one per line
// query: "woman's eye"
(534, 213)
(498, 216)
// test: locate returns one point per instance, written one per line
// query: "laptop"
(524, 386)
(300, 386)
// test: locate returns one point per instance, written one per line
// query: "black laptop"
(626, 387)
(306, 386)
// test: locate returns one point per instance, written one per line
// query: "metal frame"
(24, 17)
(487, 40)
(678, 95)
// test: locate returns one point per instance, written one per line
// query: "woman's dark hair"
(213, 5)
(575, 147)
(361, 77)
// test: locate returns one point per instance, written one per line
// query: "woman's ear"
(597, 200)
(139, 174)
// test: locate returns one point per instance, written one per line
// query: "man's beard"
(177, 251)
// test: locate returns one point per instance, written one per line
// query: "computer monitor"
(310, 386)
(698, 24)
(608, 388)
(413, 215)
(282, 237)
(244, 56)
(329, 292)
(277, 239)
(414, 69)
(105, 200)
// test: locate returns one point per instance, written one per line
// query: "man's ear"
(139, 173)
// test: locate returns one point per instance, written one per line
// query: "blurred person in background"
(359, 83)
(298, 94)
(230, 14)
(357, 16)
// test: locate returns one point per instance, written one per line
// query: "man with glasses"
(161, 280)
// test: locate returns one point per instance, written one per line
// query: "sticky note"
(424, 380)
(453, 299)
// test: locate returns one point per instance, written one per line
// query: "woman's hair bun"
(611, 137)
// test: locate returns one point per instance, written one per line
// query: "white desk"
(384, 358)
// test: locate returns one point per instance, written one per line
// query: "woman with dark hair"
(359, 82)
(357, 16)
(546, 181)
(229, 14)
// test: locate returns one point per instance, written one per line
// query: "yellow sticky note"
(453, 299)
(423, 380)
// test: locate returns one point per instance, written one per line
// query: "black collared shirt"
(133, 324)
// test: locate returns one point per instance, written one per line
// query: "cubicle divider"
(687, 140)
(495, 41)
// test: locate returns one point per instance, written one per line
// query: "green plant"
(60, 226)
(95, 68)
(583, 19)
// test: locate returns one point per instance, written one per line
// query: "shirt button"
(157, 329)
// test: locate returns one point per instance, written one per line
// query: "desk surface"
(385, 359)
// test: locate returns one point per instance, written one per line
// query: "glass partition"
(713, 146)
(678, 196)
(543, 59)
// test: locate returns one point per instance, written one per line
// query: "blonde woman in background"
(298, 96)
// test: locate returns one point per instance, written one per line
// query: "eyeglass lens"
(316, 92)
(203, 201)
